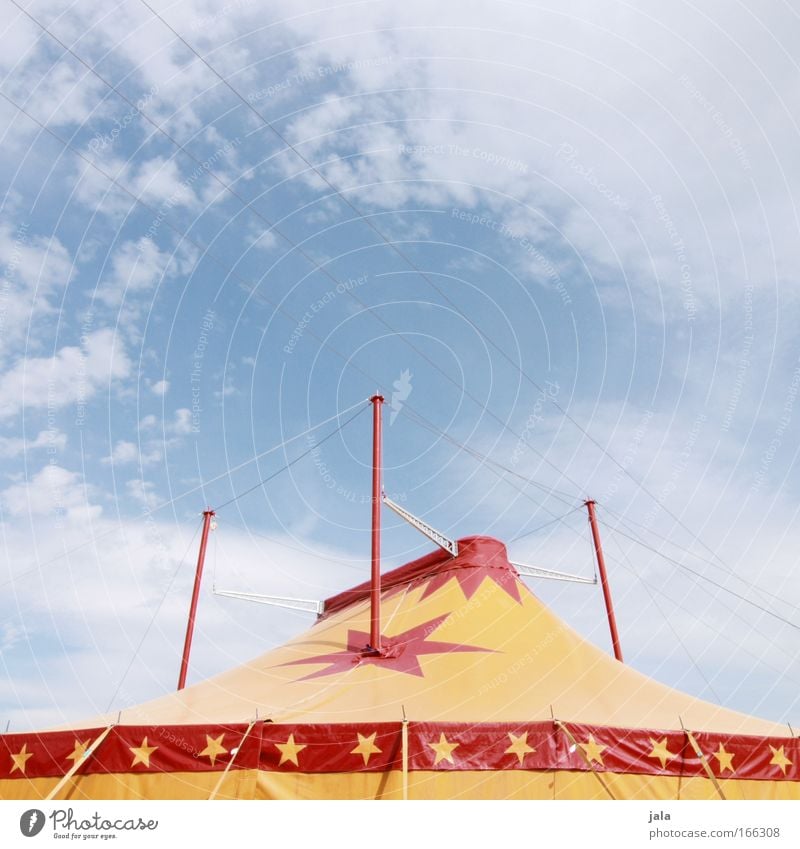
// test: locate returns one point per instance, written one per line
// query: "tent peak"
(474, 552)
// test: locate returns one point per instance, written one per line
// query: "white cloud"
(228, 384)
(59, 91)
(10, 635)
(157, 183)
(136, 272)
(34, 269)
(182, 423)
(16, 446)
(18, 38)
(142, 492)
(645, 107)
(56, 93)
(136, 267)
(159, 180)
(54, 492)
(125, 452)
(163, 66)
(72, 376)
(262, 239)
(160, 387)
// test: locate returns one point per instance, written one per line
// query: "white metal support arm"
(449, 545)
(309, 605)
(551, 574)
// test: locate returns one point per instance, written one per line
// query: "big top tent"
(479, 692)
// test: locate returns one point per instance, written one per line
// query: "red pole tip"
(379, 398)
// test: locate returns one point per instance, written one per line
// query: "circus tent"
(479, 691)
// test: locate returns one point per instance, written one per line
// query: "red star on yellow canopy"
(519, 746)
(779, 759)
(661, 751)
(444, 749)
(21, 759)
(213, 748)
(593, 750)
(79, 752)
(142, 753)
(289, 751)
(366, 747)
(400, 653)
(725, 759)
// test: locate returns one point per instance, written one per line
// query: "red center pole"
(375, 588)
(601, 565)
(208, 515)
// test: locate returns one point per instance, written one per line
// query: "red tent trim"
(377, 747)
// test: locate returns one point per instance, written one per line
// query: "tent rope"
(567, 498)
(704, 761)
(586, 760)
(405, 755)
(706, 578)
(299, 457)
(78, 763)
(626, 522)
(667, 619)
(228, 766)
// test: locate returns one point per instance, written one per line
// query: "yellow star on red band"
(779, 759)
(21, 759)
(661, 751)
(725, 759)
(366, 747)
(289, 751)
(593, 750)
(213, 748)
(142, 753)
(519, 746)
(444, 749)
(79, 752)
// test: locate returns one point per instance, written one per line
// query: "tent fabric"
(503, 699)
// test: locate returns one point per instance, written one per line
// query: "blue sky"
(601, 202)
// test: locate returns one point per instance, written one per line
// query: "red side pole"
(375, 589)
(201, 558)
(601, 565)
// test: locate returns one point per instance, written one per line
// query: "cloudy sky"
(561, 238)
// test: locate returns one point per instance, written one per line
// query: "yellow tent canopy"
(481, 692)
